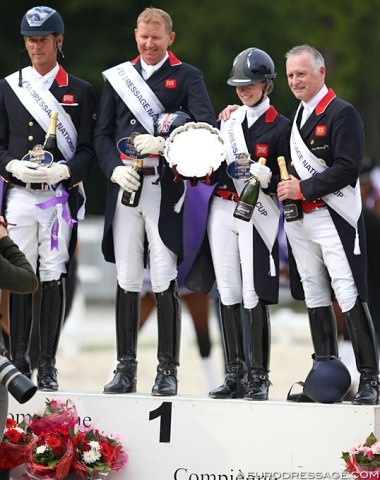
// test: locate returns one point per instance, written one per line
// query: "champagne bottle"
(50, 144)
(292, 208)
(131, 199)
(248, 197)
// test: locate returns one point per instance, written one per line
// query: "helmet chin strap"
(59, 48)
(263, 93)
(20, 62)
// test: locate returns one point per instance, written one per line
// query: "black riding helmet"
(251, 66)
(41, 21)
(328, 381)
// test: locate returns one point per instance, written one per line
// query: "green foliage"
(211, 33)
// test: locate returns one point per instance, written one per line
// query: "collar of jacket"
(173, 60)
(271, 114)
(62, 77)
(325, 102)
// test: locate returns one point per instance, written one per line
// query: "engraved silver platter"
(195, 149)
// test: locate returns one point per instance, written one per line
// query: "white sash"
(135, 93)
(266, 214)
(346, 201)
(40, 103)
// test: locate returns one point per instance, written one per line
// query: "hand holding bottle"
(248, 197)
(262, 173)
(288, 192)
(126, 177)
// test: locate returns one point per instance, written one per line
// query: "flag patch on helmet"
(164, 122)
(37, 16)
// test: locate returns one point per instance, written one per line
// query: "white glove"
(27, 172)
(145, 143)
(262, 173)
(56, 173)
(126, 177)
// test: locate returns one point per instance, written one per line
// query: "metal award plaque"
(40, 156)
(126, 147)
(239, 169)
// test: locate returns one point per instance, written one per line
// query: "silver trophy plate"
(195, 149)
(40, 156)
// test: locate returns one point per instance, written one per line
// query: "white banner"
(266, 215)
(41, 103)
(135, 93)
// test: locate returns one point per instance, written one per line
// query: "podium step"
(198, 438)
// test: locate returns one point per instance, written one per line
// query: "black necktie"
(299, 117)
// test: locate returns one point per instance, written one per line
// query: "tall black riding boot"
(364, 343)
(169, 338)
(323, 330)
(127, 326)
(20, 324)
(235, 381)
(259, 328)
(51, 320)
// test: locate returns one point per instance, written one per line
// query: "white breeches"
(231, 243)
(321, 260)
(130, 224)
(36, 231)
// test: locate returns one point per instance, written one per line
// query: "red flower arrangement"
(363, 461)
(96, 454)
(54, 445)
(57, 415)
(16, 444)
(52, 455)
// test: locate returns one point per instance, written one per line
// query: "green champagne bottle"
(248, 197)
(50, 144)
(131, 199)
(292, 208)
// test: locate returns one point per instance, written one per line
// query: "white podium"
(198, 438)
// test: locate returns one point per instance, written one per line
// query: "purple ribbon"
(62, 200)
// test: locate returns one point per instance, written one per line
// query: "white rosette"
(195, 149)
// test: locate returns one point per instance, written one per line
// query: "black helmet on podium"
(41, 21)
(328, 381)
(166, 122)
(251, 66)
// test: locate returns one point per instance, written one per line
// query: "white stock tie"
(305, 115)
(251, 117)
